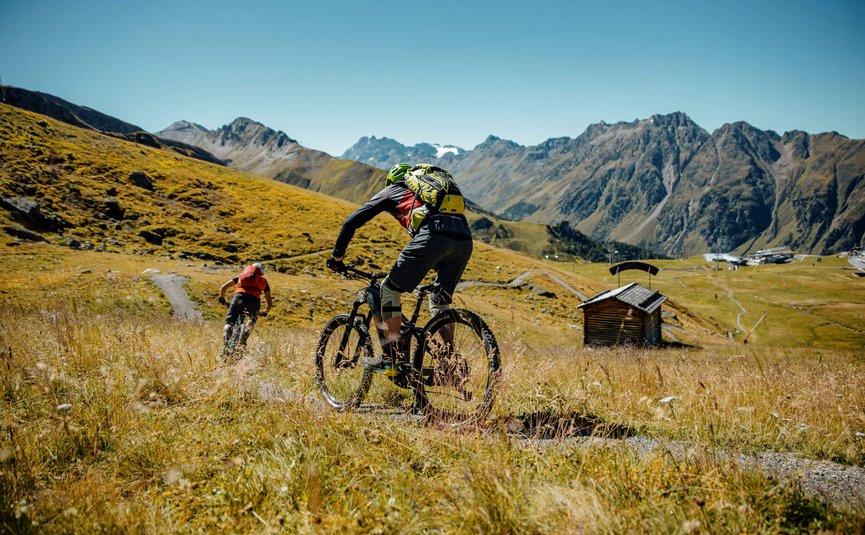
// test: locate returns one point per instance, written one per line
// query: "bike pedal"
(390, 371)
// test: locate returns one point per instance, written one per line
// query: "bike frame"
(433, 362)
(368, 296)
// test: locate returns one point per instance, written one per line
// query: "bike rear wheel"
(232, 349)
(339, 370)
(457, 366)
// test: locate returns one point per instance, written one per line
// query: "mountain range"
(662, 184)
(385, 152)
(667, 184)
(251, 146)
(248, 145)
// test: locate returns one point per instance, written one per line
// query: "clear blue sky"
(327, 72)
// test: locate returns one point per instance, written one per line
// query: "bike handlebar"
(369, 275)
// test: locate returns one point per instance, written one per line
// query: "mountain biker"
(442, 243)
(247, 296)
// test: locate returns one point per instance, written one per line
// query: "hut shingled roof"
(632, 294)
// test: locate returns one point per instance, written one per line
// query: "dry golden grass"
(117, 418)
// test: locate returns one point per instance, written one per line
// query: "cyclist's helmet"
(397, 173)
(260, 267)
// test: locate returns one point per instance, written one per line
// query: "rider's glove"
(335, 265)
(221, 300)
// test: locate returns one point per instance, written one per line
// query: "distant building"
(724, 257)
(773, 255)
(627, 315)
(783, 250)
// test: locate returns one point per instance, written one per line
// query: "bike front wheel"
(456, 367)
(339, 372)
(233, 347)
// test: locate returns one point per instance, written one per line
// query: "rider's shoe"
(380, 364)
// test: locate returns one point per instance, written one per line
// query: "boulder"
(142, 180)
(23, 234)
(32, 211)
(112, 209)
(151, 237)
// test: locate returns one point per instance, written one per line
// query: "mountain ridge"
(251, 146)
(85, 117)
(667, 184)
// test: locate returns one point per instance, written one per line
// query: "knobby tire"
(456, 381)
(339, 370)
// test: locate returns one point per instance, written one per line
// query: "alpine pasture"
(117, 417)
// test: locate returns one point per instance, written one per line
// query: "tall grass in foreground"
(804, 400)
(125, 421)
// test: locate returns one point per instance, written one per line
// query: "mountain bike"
(452, 363)
(234, 347)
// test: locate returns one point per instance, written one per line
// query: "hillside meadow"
(117, 417)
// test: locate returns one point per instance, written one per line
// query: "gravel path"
(172, 287)
(521, 281)
(839, 485)
(740, 314)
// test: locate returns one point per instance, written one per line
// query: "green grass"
(815, 302)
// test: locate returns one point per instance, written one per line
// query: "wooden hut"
(627, 315)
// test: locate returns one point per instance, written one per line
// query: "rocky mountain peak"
(675, 119)
(251, 133)
(183, 125)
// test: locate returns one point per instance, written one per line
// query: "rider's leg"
(449, 270)
(391, 314)
(252, 306)
(234, 310)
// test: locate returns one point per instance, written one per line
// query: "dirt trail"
(521, 280)
(740, 314)
(172, 287)
(839, 485)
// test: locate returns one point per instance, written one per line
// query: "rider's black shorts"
(240, 302)
(444, 253)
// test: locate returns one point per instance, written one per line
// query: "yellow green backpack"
(436, 189)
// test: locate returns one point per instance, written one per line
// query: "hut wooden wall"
(612, 322)
(653, 327)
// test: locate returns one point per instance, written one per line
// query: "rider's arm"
(381, 202)
(226, 286)
(268, 300)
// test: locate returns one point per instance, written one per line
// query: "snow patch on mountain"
(441, 151)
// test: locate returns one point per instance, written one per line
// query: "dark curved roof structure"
(625, 266)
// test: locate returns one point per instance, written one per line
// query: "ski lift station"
(629, 314)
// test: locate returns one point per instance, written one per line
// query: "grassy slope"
(226, 214)
(813, 302)
(160, 437)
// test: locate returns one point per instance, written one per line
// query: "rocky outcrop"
(34, 213)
